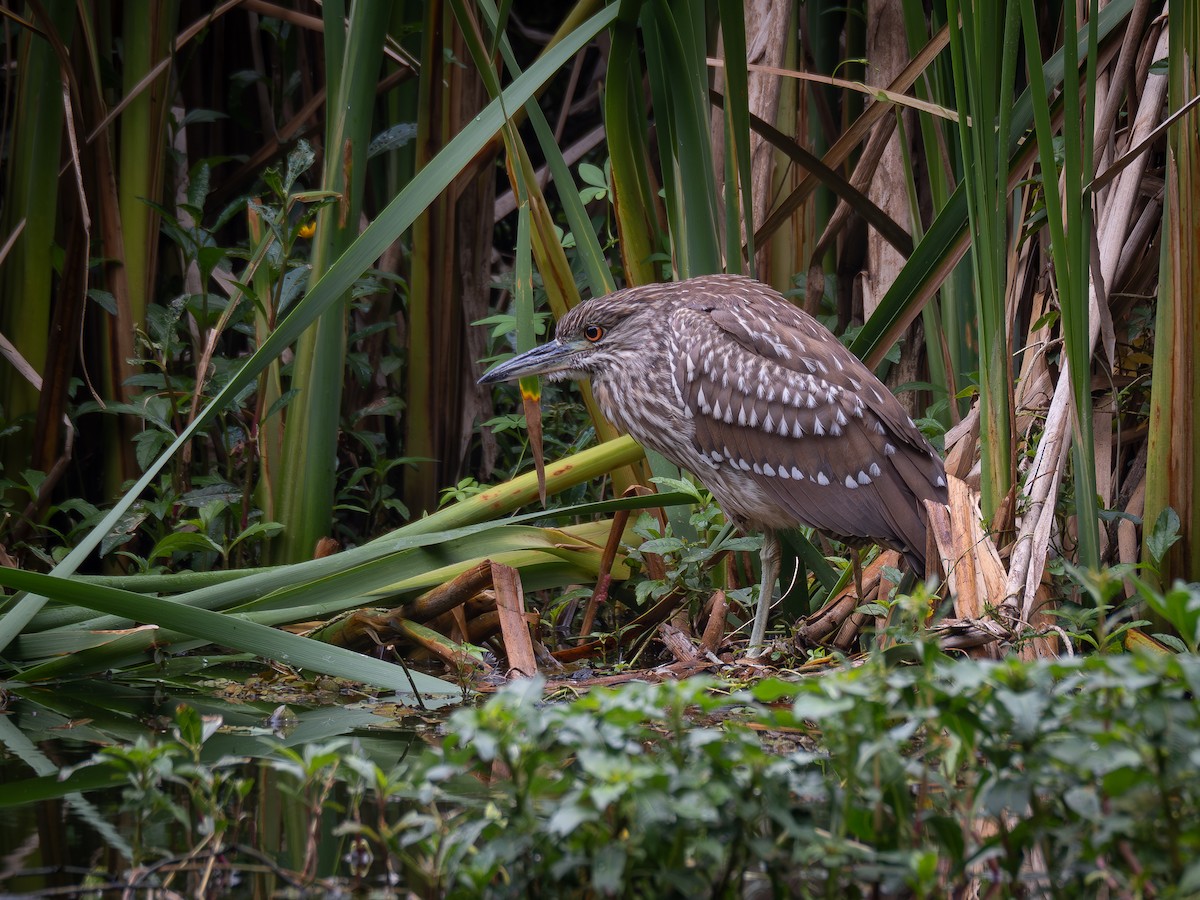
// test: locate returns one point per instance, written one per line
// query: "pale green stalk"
(634, 203)
(30, 206)
(1173, 463)
(433, 531)
(675, 64)
(305, 486)
(142, 148)
(984, 53)
(1069, 218)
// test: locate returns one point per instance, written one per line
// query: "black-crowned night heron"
(758, 400)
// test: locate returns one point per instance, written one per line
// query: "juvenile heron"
(757, 399)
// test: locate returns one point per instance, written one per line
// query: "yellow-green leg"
(770, 557)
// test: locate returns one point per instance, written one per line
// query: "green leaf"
(184, 542)
(593, 175)
(1163, 536)
(681, 485)
(608, 870)
(768, 690)
(662, 545)
(229, 631)
(1180, 605)
(257, 530)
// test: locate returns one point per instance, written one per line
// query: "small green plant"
(688, 559)
(1104, 623)
(598, 181)
(1180, 606)
(168, 785)
(466, 487)
(367, 500)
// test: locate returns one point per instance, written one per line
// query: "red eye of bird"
(593, 332)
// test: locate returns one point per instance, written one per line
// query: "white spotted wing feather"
(775, 397)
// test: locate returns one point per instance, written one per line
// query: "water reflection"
(188, 807)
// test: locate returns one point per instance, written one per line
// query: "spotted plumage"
(725, 378)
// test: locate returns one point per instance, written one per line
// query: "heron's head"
(595, 336)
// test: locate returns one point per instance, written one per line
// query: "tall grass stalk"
(548, 253)
(739, 192)
(30, 212)
(1069, 219)
(1173, 464)
(587, 246)
(270, 383)
(634, 201)
(984, 54)
(952, 346)
(676, 53)
(786, 250)
(431, 241)
(304, 491)
(142, 157)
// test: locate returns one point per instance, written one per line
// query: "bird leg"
(770, 557)
(856, 565)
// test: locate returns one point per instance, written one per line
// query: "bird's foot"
(758, 657)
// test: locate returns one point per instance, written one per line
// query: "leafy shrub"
(1045, 779)
(1069, 779)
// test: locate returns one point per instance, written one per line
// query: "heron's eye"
(593, 332)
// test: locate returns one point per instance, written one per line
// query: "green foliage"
(203, 516)
(688, 558)
(466, 487)
(367, 499)
(945, 776)
(1104, 622)
(1180, 606)
(598, 182)
(1016, 774)
(1163, 536)
(198, 517)
(209, 796)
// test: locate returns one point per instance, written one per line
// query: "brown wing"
(776, 396)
